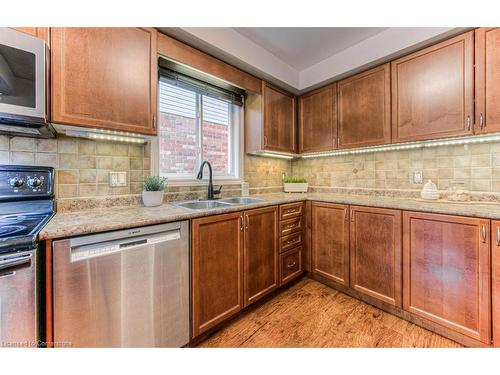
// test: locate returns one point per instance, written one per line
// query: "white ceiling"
(302, 47)
(300, 59)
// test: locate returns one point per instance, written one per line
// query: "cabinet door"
(318, 120)
(364, 105)
(487, 80)
(376, 253)
(495, 283)
(104, 78)
(217, 269)
(261, 253)
(279, 120)
(447, 271)
(330, 241)
(432, 91)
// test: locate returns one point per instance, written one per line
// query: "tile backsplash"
(82, 166)
(476, 166)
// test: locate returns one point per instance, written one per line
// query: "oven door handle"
(15, 261)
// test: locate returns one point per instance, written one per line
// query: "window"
(194, 127)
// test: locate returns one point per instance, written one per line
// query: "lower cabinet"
(217, 269)
(447, 271)
(234, 263)
(495, 282)
(261, 253)
(375, 249)
(330, 241)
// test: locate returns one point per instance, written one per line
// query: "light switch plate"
(418, 177)
(117, 179)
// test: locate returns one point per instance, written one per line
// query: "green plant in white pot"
(152, 194)
(295, 185)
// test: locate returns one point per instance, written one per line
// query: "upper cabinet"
(364, 108)
(487, 80)
(105, 78)
(432, 91)
(270, 121)
(318, 120)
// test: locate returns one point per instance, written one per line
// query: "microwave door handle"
(15, 262)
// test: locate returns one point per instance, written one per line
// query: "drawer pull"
(289, 226)
(292, 241)
(290, 265)
(291, 211)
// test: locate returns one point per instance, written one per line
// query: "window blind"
(208, 89)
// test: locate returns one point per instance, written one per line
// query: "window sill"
(194, 182)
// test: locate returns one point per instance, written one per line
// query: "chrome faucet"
(211, 192)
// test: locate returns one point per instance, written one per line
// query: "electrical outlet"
(418, 177)
(117, 179)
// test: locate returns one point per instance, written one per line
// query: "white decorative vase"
(152, 198)
(296, 187)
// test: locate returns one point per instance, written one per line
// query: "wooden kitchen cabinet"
(234, 263)
(261, 253)
(364, 108)
(217, 269)
(104, 78)
(375, 253)
(270, 121)
(330, 241)
(446, 267)
(318, 120)
(433, 92)
(495, 281)
(487, 91)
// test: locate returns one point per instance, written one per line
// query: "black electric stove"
(26, 205)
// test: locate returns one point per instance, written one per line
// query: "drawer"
(291, 225)
(290, 241)
(287, 211)
(290, 265)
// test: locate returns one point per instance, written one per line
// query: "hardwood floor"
(310, 314)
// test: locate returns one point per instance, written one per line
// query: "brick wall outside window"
(178, 145)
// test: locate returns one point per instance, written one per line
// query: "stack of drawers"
(291, 237)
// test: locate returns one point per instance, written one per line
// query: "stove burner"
(7, 230)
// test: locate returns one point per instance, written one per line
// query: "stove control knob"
(16, 182)
(35, 182)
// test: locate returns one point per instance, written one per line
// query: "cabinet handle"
(247, 220)
(265, 141)
(483, 233)
(481, 121)
(290, 226)
(154, 121)
(290, 265)
(346, 214)
(352, 215)
(498, 236)
(468, 122)
(241, 223)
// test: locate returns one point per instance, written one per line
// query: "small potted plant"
(295, 185)
(154, 187)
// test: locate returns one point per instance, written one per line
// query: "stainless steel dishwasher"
(128, 288)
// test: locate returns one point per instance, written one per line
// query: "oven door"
(22, 78)
(18, 300)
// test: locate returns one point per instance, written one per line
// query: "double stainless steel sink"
(220, 203)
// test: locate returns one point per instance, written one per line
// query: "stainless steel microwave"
(23, 85)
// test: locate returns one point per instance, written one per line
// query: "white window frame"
(236, 146)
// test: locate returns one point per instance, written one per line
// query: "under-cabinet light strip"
(494, 137)
(102, 134)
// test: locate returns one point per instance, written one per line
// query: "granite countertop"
(71, 224)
